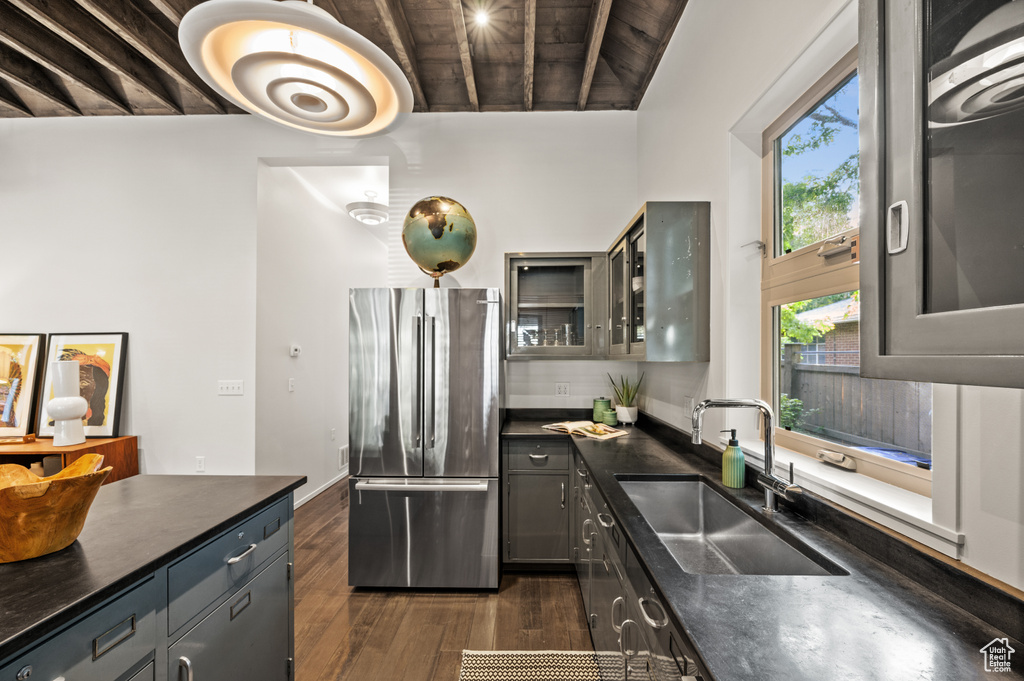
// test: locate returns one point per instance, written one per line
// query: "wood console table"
(120, 452)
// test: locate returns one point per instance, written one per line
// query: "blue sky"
(822, 161)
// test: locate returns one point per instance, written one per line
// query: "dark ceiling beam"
(334, 9)
(17, 68)
(174, 10)
(77, 27)
(11, 105)
(529, 45)
(459, 18)
(397, 27)
(595, 36)
(656, 59)
(35, 42)
(142, 33)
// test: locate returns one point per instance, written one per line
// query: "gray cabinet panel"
(660, 284)
(103, 646)
(200, 578)
(245, 638)
(538, 518)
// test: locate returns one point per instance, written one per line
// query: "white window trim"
(938, 528)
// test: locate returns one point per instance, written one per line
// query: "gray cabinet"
(659, 281)
(629, 626)
(246, 637)
(556, 305)
(223, 610)
(538, 501)
(942, 161)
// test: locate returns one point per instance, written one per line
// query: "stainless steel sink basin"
(709, 535)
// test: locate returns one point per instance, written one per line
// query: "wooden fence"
(868, 412)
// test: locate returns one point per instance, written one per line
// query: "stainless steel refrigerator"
(424, 420)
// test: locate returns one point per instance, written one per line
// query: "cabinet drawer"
(103, 646)
(245, 638)
(532, 455)
(147, 673)
(211, 571)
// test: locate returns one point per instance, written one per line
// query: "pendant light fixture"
(293, 63)
(368, 212)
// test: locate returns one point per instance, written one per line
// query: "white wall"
(148, 225)
(309, 253)
(693, 143)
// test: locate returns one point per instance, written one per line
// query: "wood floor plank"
(346, 634)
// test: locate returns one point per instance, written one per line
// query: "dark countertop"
(134, 527)
(874, 623)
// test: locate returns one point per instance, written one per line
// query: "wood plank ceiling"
(121, 57)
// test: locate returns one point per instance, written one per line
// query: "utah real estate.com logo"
(997, 655)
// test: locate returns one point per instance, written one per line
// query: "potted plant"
(625, 395)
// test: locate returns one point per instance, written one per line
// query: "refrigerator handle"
(433, 382)
(417, 425)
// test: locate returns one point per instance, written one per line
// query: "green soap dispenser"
(734, 472)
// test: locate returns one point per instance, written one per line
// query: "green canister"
(601, 405)
(734, 472)
(609, 418)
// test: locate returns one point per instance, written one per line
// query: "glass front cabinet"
(659, 284)
(942, 167)
(554, 308)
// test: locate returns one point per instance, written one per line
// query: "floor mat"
(515, 665)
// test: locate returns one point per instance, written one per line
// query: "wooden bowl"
(42, 515)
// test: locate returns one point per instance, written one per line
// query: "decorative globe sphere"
(439, 235)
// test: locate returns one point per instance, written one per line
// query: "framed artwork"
(101, 358)
(21, 362)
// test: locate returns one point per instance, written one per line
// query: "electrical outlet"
(229, 388)
(688, 405)
(333, 431)
(562, 389)
(200, 464)
(342, 457)
(291, 385)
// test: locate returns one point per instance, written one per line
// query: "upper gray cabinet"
(942, 172)
(659, 284)
(555, 305)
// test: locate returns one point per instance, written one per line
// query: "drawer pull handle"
(120, 632)
(605, 523)
(587, 536)
(538, 456)
(660, 623)
(232, 561)
(184, 662)
(244, 602)
(615, 604)
(271, 528)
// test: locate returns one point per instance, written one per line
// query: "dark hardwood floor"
(370, 635)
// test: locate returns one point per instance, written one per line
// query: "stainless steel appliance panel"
(434, 533)
(462, 341)
(386, 382)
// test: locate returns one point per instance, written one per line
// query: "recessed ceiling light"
(481, 17)
(295, 64)
(368, 212)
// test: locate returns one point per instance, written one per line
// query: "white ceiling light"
(293, 63)
(368, 212)
(481, 17)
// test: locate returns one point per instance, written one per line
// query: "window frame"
(803, 274)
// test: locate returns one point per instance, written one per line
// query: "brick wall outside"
(845, 337)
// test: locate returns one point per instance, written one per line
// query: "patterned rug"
(515, 665)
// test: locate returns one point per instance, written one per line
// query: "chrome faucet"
(772, 484)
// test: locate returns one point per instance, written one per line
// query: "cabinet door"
(942, 135)
(550, 305)
(245, 638)
(538, 518)
(635, 289)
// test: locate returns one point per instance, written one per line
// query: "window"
(811, 298)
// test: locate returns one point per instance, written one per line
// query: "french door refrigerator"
(424, 420)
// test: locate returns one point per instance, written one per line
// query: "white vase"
(67, 406)
(626, 414)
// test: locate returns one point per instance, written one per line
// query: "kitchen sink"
(709, 535)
